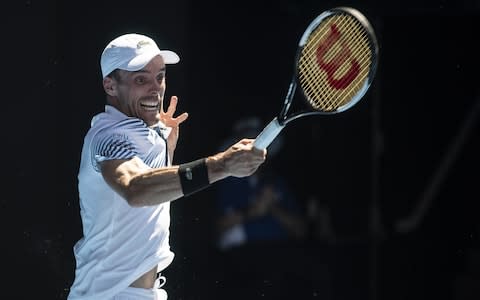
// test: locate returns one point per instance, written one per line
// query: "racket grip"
(268, 134)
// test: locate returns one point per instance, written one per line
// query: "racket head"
(336, 60)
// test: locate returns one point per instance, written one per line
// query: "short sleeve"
(108, 146)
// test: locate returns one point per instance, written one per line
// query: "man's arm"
(143, 186)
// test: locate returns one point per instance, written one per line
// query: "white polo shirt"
(120, 242)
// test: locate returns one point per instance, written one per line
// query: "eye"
(140, 80)
(160, 77)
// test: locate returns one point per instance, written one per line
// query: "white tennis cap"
(132, 52)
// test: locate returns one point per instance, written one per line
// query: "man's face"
(140, 93)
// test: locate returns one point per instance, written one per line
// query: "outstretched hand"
(173, 122)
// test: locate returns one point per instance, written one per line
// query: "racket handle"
(268, 134)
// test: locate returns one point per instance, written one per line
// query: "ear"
(110, 86)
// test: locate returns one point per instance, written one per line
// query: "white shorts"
(131, 293)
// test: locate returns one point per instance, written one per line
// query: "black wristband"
(193, 176)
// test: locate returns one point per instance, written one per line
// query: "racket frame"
(275, 126)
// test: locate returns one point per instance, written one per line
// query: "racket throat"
(268, 134)
(288, 100)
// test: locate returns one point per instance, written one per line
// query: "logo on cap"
(142, 44)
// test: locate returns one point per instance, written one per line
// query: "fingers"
(181, 118)
(248, 144)
(173, 106)
(246, 141)
(260, 152)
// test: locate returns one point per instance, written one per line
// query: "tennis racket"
(334, 66)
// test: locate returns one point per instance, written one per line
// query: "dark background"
(412, 139)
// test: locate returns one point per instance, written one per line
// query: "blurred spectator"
(262, 232)
(261, 207)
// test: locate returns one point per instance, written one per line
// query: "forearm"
(141, 185)
(216, 168)
(155, 186)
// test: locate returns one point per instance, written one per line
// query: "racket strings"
(342, 95)
(339, 57)
(363, 57)
(313, 76)
(333, 102)
(363, 62)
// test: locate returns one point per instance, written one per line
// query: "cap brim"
(140, 61)
(169, 57)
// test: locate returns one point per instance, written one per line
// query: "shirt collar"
(110, 113)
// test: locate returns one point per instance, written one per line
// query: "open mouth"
(151, 106)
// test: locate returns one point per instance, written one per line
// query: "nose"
(158, 87)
